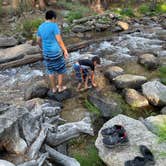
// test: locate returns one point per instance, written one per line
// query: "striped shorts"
(55, 64)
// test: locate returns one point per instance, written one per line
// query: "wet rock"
(155, 122)
(113, 72)
(161, 34)
(135, 99)
(163, 110)
(7, 41)
(108, 108)
(129, 81)
(59, 96)
(6, 163)
(149, 61)
(38, 90)
(155, 92)
(138, 135)
(101, 27)
(80, 28)
(123, 25)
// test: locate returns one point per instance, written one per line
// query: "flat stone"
(113, 72)
(108, 108)
(6, 163)
(7, 41)
(135, 99)
(155, 92)
(149, 61)
(129, 81)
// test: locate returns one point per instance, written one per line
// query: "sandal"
(62, 89)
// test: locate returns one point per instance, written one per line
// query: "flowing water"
(123, 48)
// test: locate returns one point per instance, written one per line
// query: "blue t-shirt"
(47, 31)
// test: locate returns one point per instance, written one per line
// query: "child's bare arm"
(93, 78)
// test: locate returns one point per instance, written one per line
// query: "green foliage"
(146, 10)
(0, 7)
(127, 12)
(162, 74)
(91, 107)
(73, 15)
(76, 10)
(90, 158)
(29, 27)
(162, 132)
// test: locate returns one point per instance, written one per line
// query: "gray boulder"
(7, 41)
(80, 28)
(149, 61)
(138, 135)
(37, 90)
(113, 72)
(135, 99)
(129, 81)
(6, 163)
(155, 92)
(108, 108)
(163, 110)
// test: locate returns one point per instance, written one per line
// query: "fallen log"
(68, 131)
(27, 59)
(60, 158)
(38, 162)
(35, 147)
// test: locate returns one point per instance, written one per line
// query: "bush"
(73, 15)
(29, 27)
(162, 74)
(144, 9)
(90, 158)
(162, 132)
(127, 12)
(161, 8)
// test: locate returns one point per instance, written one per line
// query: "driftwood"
(69, 131)
(38, 162)
(35, 147)
(60, 158)
(27, 59)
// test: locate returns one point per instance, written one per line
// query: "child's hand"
(66, 54)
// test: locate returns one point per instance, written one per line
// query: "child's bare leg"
(79, 86)
(52, 81)
(60, 85)
(86, 82)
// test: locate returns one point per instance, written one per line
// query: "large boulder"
(81, 28)
(149, 61)
(108, 108)
(129, 81)
(37, 90)
(155, 92)
(135, 99)
(6, 163)
(113, 72)
(7, 41)
(138, 135)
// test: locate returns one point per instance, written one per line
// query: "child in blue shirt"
(54, 50)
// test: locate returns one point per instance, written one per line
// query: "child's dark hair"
(96, 59)
(50, 14)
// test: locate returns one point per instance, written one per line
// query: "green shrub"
(127, 12)
(91, 107)
(73, 15)
(161, 8)
(162, 132)
(90, 158)
(30, 26)
(144, 9)
(162, 74)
